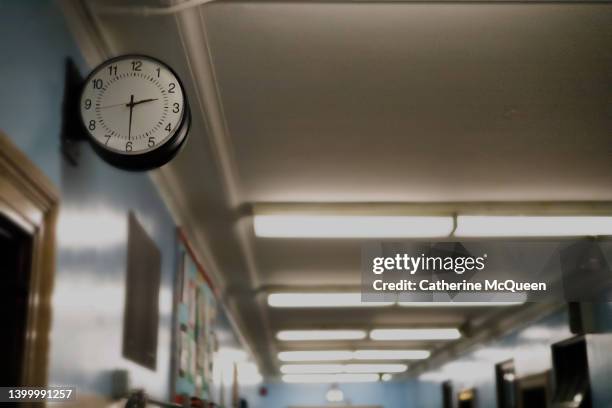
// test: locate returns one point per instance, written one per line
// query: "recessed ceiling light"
(415, 334)
(532, 226)
(351, 226)
(391, 354)
(330, 378)
(314, 335)
(324, 355)
(321, 300)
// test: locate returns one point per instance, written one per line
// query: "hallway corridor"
(306, 204)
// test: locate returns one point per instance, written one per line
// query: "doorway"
(15, 261)
(28, 210)
(467, 398)
(534, 391)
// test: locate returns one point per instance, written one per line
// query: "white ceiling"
(298, 102)
(416, 102)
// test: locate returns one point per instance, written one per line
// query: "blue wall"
(88, 298)
(281, 395)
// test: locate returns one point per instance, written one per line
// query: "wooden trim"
(201, 269)
(30, 200)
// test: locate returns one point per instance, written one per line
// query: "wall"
(281, 395)
(88, 299)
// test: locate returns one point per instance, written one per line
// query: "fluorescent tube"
(415, 334)
(321, 300)
(391, 354)
(375, 368)
(312, 369)
(330, 378)
(342, 368)
(351, 226)
(314, 335)
(532, 226)
(459, 304)
(326, 355)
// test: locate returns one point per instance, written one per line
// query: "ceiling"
(328, 102)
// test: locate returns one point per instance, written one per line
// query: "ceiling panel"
(409, 102)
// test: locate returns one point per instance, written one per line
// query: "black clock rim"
(150, 160)
(138, 162)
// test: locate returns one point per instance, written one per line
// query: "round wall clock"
(135, 111)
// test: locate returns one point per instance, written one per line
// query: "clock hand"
(143, 101)
(112, 106)
(131, 105)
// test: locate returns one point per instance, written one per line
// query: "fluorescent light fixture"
(322, 300)
(342, 368)
(351, 226)
(330, 378)
(386, 377)
(312, 369)
(314, 335)
(375, 368)
(532, 226)
(326, 355)
(415, 334)
(345, 355)
(459, 304)
(391, 354)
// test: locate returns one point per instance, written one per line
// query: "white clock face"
(132, 105)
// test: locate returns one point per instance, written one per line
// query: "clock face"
(133, 106)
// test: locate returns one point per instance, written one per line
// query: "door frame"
(30, 200)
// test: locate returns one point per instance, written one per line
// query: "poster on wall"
(195, 317)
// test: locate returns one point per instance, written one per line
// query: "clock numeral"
(112, 70)
(171, 87)
(92, 125)
(176, 107)
(87, 103)
(136, 65)
(97, 83)
(108, 137)
(128, 147)
(168, 127)
(151, 142)
(158, 69)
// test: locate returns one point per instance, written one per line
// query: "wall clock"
(135, 112)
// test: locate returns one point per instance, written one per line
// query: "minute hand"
(142, 101)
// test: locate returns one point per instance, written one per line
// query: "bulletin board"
(195, 316)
